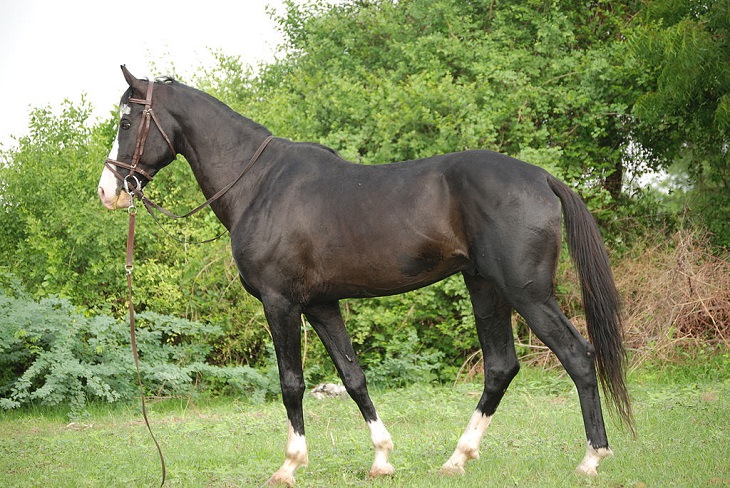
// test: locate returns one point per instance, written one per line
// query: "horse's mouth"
(114, 201)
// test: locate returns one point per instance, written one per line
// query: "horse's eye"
(125, 125)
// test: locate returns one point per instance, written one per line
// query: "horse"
(309, 228)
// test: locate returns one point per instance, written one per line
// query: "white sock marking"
(383, 444)
(468, 446)
(590, 462)
(296, 456)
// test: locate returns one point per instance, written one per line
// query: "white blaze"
(108, 182)
(114, 153)
(109, 189)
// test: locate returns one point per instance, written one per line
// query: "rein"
(133, 187)
(136, 191)
(149, 204)
(133, 333)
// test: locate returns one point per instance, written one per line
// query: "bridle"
(133, 187)
(142, 133)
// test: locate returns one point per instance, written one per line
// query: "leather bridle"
(133, 187)
(136, 190)
(142, 133)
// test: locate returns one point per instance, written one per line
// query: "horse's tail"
(601, 301)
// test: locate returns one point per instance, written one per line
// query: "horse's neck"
(218, 146)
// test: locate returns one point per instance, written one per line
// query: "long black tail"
(601, 300)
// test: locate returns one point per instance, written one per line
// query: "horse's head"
(142, 146)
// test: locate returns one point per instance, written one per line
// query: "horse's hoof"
(586, 471)
(279, 480)
(386, 469)
(450, 469)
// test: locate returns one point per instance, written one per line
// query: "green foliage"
(383, 81)
(405, 363)
(414, 332)
(684, 115)
(54, 238)
(51, 354)
(590, 91)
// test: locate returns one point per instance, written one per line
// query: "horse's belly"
(391, 273)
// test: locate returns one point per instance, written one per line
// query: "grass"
(536, 438)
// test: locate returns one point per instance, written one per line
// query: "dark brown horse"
(309, 228)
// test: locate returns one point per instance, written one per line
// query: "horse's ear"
(135, 83)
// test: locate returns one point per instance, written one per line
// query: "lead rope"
(132, 210)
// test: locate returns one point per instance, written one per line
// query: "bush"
(676, 295)
(52, 354)
(405, 363)
(433, 325)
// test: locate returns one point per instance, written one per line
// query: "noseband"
(142, 133)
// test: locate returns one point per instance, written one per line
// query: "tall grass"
(536, 438)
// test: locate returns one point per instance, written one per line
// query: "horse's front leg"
(330, 327)
(284, 320)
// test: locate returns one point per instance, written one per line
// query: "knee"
(499, 376)
(292, 388)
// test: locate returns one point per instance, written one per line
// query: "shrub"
(52, 354)
(414, 327)
(406, 363)
(676, 295)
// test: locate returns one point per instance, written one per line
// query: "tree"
(684, 115)
(383, 81)
(53, 237)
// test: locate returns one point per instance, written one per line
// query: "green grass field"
(536, 439)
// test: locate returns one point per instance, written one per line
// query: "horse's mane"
(169, 80)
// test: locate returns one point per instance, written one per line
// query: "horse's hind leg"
(494, 327)
(576, 355)
(330, 327)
